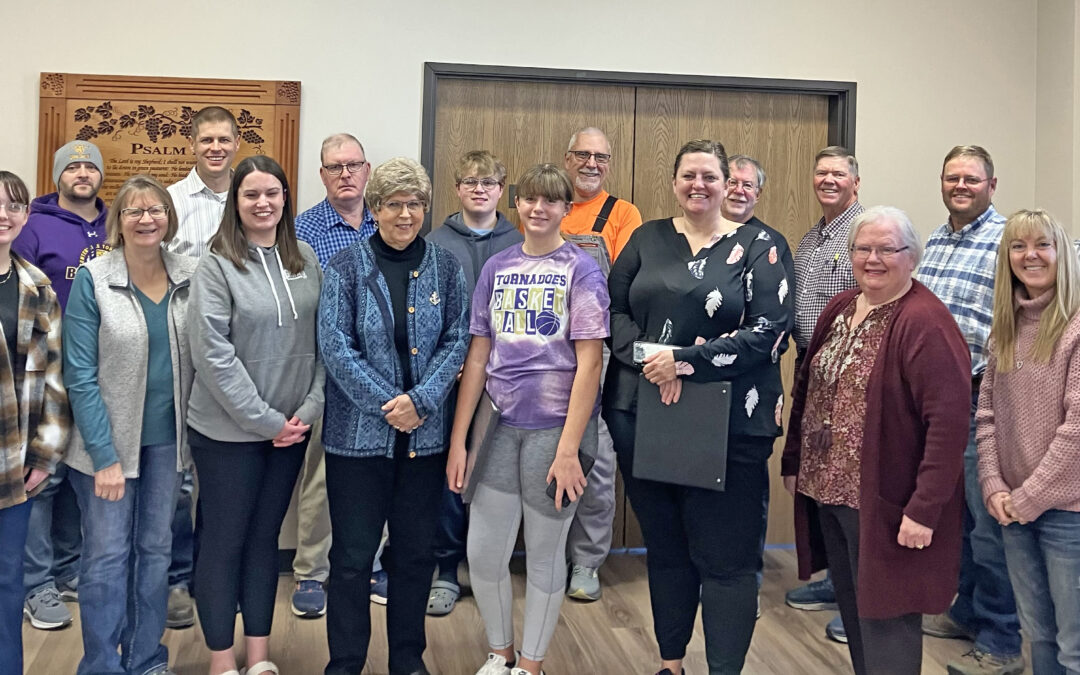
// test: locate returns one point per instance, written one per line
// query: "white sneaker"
(522, 671)
(495, 665)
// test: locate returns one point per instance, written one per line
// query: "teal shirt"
(81, 326)
(159, 410)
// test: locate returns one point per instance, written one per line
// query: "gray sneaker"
(45, 609)
(69, 590)
(181, 609)
(584, 584)
(978, 662)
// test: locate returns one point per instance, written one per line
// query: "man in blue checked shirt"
(959, 266)
(330, 226)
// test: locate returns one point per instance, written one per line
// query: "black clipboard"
(684, 443)
(481, 431)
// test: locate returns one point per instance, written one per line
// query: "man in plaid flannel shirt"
(823, 269)
(959, 267)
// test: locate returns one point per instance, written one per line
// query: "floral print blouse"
(832, 426)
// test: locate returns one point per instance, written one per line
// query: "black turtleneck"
(397, 268)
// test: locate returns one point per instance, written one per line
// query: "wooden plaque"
(142, 124)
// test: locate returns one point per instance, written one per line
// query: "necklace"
(11, 268)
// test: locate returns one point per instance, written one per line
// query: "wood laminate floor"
(612, 636)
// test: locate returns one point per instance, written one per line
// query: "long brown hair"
(231, 243)
(1055, 318)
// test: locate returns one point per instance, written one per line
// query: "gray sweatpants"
(513, 485)
(589, 541)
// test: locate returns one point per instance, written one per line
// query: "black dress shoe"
(667, 671)
(420, 670)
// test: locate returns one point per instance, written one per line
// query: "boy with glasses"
(472, 235)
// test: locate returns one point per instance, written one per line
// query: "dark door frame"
(841, 95)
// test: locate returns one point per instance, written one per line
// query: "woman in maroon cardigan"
(875, 446)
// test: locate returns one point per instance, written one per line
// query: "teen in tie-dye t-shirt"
(533, 308)
(539, 316)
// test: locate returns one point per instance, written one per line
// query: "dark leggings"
(877, 646)
(244, 492)
(703, 546)
(364, 494)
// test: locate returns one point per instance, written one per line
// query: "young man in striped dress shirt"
(200, 200)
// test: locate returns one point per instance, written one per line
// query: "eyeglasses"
(156, 212)
(883, 252)
(486, 183)
(970, 181)
(351, 167)
(746, 185)
(396, 207)
(584, 155)
(15, 208)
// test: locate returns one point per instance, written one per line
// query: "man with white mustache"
(600, 224)
(959, 267)
(823, 269)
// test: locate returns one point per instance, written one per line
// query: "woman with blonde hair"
(1029, 432)
(127, 368)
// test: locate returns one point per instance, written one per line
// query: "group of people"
(203, 327)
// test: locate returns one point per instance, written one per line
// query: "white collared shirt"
(199, 210)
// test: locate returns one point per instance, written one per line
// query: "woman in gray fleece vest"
(258, 387)
(128, 373)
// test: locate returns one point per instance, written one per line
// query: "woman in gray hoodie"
(258, 387)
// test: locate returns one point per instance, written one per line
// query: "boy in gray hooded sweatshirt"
(473, 235)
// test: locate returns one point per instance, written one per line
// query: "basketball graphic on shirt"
(547, 322)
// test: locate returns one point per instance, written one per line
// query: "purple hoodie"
(57, 241)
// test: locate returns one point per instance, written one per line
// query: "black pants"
(702, 546)
(365, 493)
(877, 646)
(244, 492)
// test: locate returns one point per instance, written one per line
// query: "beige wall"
(1056, 120)
(930, 74)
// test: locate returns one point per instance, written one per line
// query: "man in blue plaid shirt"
(328, 227)
(959, 266)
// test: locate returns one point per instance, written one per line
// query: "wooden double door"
(525, 123)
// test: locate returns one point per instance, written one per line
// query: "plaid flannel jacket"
(34, 428)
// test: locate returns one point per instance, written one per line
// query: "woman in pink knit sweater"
(1029, 432)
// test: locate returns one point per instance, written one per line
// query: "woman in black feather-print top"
(717, 292)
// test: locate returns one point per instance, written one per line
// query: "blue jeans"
(123, 583)
(451, 536)
(53, 540)
(984, 602)
(1044, 564)
(13, 524)
(183, 534)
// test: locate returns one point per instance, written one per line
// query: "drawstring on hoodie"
(284, 280)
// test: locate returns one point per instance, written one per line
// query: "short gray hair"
(742, 161)
(399, 174)
(889, 214)
(589, 131)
